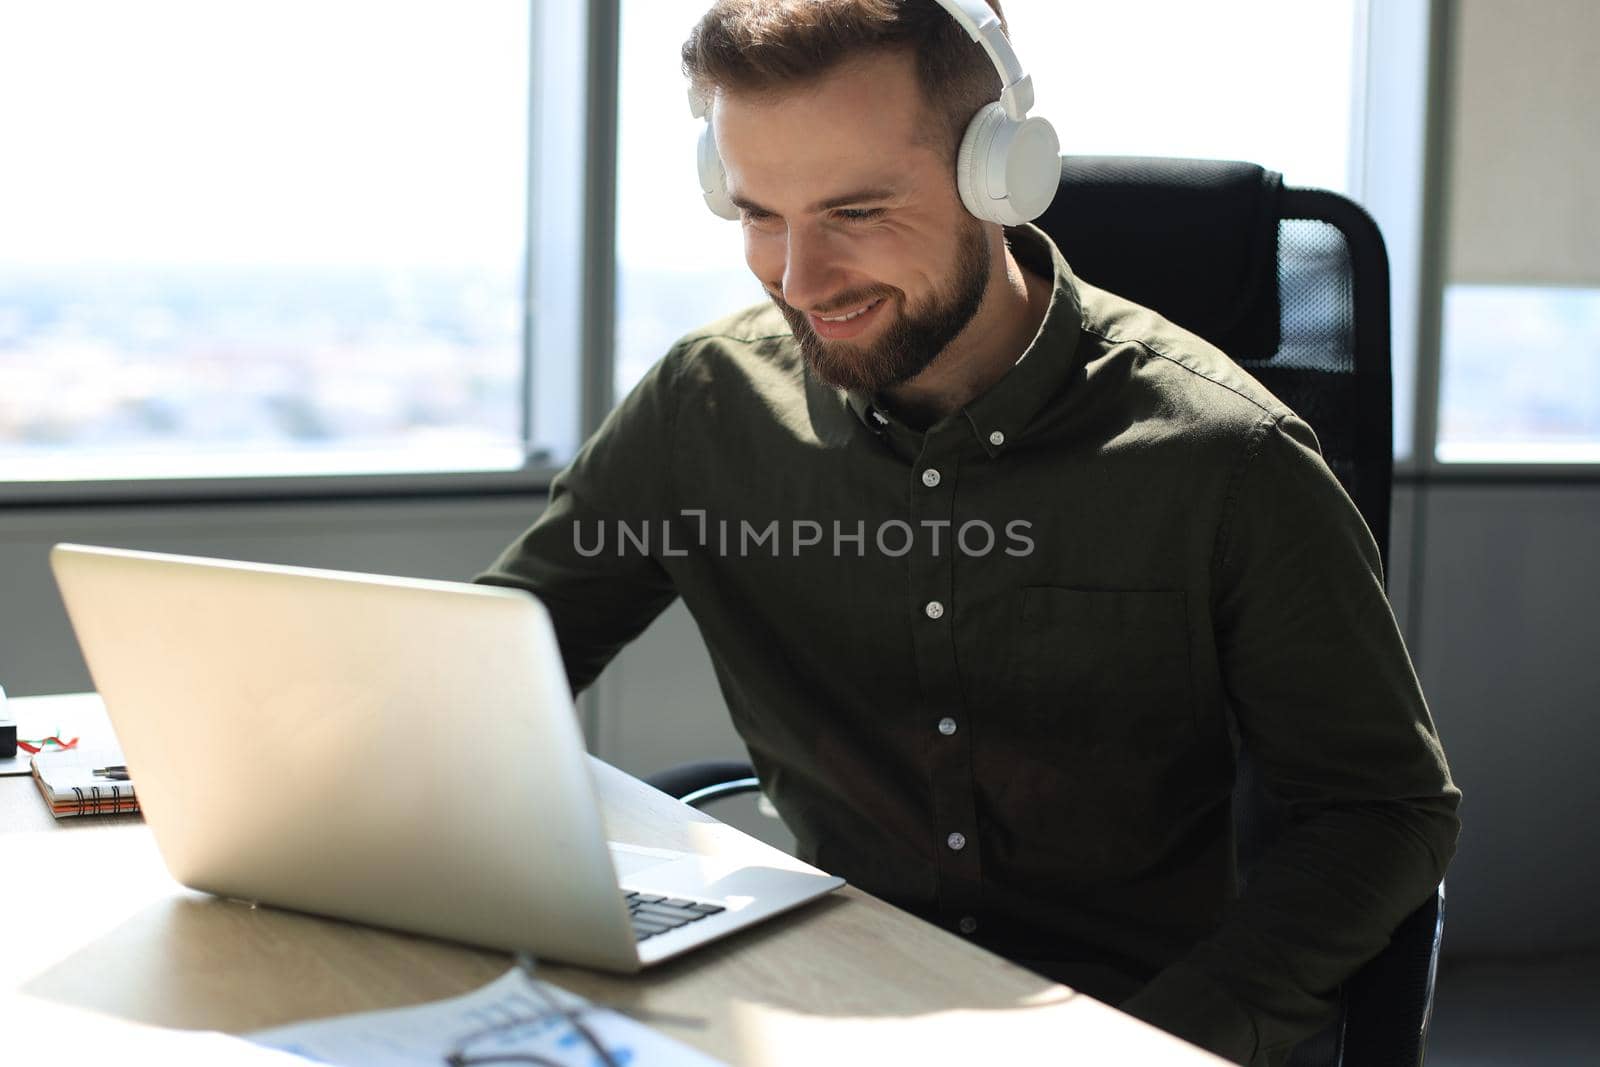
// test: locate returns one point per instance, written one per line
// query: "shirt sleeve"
(600, 588)
(1326, 701)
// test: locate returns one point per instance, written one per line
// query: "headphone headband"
(983, 26)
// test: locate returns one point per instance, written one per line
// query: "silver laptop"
(390, 750)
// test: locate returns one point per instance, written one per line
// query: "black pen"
(118, 773)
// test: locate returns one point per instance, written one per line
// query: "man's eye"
(859, 214)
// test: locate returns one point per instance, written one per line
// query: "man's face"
(852, 223)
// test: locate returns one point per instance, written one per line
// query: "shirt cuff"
(1185, 1002)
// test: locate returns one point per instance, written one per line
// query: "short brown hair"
(757, 45)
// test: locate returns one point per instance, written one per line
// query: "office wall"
(1507, 645)
(447, 539)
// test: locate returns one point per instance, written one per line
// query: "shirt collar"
(999, 417)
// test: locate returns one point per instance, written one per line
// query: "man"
(996, 569)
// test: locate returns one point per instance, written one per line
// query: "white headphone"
(1009, 165)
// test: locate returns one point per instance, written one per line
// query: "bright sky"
(292, 131)
(392, 131)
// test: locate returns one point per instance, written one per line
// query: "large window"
(296, 238)
(265, 238)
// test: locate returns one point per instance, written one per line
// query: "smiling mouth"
(856, 314)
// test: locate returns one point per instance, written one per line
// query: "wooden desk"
(98, 928)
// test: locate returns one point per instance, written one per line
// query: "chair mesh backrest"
(1313, 370)
(1316, 370)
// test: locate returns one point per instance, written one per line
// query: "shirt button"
(968, 924)
(997, 439)
(947, 726)
(934, 609)
(930, 478)
(957, 842)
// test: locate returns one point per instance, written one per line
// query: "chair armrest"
(1389, 1002)
(706, 780)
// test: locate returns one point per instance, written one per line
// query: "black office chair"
(1294, 285)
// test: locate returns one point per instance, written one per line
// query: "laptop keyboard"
(654, 915)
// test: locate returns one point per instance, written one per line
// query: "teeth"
(852, 315)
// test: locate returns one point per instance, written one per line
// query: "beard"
(913, 340)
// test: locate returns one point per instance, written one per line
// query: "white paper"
(476, 1025)
(43, 1032)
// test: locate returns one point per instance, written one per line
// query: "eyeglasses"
(546, 1015)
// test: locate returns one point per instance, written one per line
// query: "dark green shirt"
(996, 672)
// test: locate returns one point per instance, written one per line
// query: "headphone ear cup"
(1008, 171)
(972, 162)
(713, 179)
(1032, 167)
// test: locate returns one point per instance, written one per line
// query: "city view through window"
(261, 238)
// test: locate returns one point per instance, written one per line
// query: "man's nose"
(812, 269)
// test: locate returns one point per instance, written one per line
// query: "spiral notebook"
(68, 783)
